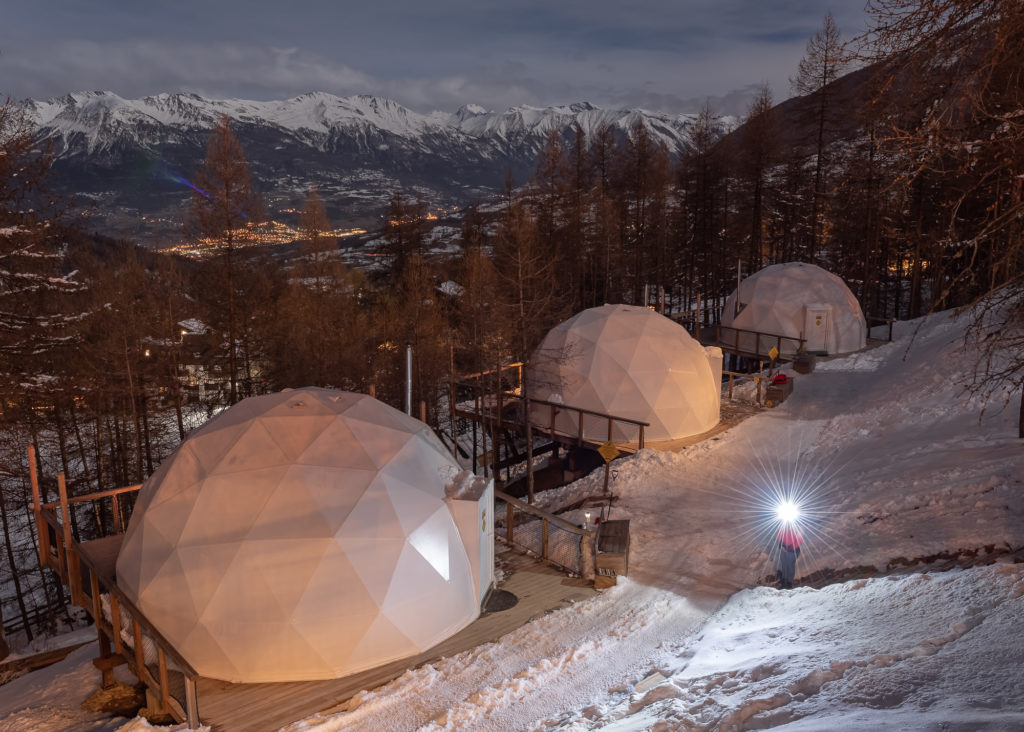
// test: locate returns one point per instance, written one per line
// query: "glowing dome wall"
(799, 301)
(303, 535)
(627, 361)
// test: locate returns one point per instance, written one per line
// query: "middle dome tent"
(629, 362)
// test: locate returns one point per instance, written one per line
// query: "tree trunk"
(1020, 414)
(15, 579)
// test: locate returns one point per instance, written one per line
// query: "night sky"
(429, 55)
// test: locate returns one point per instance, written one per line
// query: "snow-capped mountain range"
(132, 156)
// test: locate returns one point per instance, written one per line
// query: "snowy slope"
(894, 462)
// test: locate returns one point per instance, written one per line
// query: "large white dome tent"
(798, 301)
(301, 535)
(627, 361)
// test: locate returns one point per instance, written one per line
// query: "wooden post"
(74, 576)
(373, 391)
(42, 532)
(423, 411)
(476, 415)
(587, 555)
(115, 505)
(451, 403)
(606, 468)
(140, 655)
(115, 624)
(496, 426)
(510, 517)
(104, 663)
(579, 431)
(640, 446)
(191, 704)
(528, 429)
(544, 538)
(696, 321)
(165, 691)
(94, 588)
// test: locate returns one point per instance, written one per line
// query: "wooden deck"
(228, 707)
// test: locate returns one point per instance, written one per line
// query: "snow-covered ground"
(893, 463)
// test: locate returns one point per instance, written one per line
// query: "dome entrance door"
(818, 328)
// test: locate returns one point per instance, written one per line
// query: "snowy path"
(556, 663)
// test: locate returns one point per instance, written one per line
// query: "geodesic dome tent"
(308, 534)
(627, 361)
(797, 301)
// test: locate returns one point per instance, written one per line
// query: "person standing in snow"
(789, 539)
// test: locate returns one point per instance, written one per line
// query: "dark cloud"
(659, 55)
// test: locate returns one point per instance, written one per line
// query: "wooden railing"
(734, 376)
(87, 581)
(580, 436)
(549, 537)
(873, 321)
(750, 342)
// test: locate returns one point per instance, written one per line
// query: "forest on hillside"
(913, 196)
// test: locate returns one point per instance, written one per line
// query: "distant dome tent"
(796, 301)
(627, 361)
(300, 536)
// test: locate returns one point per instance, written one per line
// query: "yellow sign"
(774, 353)
(608, 451)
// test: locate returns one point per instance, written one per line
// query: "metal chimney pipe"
(408, 378)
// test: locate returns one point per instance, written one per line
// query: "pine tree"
(225, 209)
(822, 64)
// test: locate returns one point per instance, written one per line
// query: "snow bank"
(925, 651)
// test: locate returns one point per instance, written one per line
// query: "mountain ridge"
(129, 156)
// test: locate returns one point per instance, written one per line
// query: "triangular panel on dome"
(335, 597)
(227, 505)
(334, 494)
(294, 433)
(373, 516)
(254, 449)
(288, 566)
(337, 446)
(415, 587)
(433, 542)
(373, 562)
(382, 642)
(290, 510)
(217, 662)
(202, 570)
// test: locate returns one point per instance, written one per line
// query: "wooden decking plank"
(267, 707)
(101, 554)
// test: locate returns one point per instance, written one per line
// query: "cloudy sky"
(662, 55)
